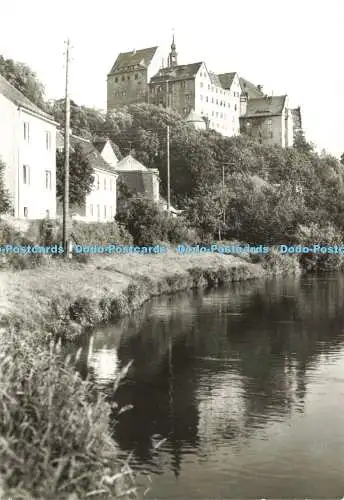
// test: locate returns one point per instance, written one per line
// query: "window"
(104, 183)
(201, 84)
(47, 179)
(212, 100)
(26, 131)
(26, 212)
(104, 211)
(235, 107)
(136, 76)
(201, 97)
(97, 182)
(26, 174)
(111, 184)
(229, 105)
(123, 78)
(91, 210)
(124, 93)
(217, 101)
(182, 84)
(128, 77)
(48, 140)
(269, 129)
(206, 98)
(116, 79)
(208, 87)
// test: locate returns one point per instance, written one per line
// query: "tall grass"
(54, 431)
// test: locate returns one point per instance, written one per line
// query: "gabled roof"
(17, 98)
(139, 58)
(184, 72)
(214, 78)
(89, 150)
(130, 164)
(265, 106)
(226, 79)
(250, 89)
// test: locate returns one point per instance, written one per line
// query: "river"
(245, 384)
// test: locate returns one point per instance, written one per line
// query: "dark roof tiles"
(184, 72)
(265, 106)
(226, 79)
(142, 57)
(17, 98)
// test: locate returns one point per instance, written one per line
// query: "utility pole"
(168, 170)
(67, 249)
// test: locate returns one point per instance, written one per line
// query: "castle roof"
(214, 78)
(17, 98)
(140, 58)
(265, 106)
(226, 79)
(182, 72)
(250, 89)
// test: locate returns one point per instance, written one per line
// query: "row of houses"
(223, 102)
(29, 140)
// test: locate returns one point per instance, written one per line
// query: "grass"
(65, 297)
(54, 431)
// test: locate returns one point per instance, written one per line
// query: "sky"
(292, 47)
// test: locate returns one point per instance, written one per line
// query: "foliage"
(84, 121)
(99, 234)
(80, 175)
(149, 224)
(54, 430)
(23, 79)
(5, 204)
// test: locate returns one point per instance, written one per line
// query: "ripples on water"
(246, 384)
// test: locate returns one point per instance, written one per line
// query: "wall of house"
(108, 155)
(37, 193)
(8, 147)
(270, 130)
(177, 94)
(101, 202)
(221, 106)
(289, 132)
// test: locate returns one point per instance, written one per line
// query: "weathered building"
(269, 120)
(138, 178)
(127, 82)
(28, 149)
(100, 204)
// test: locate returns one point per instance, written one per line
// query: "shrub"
(54, 431)
(98, 234)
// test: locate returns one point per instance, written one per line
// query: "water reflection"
(241, 379)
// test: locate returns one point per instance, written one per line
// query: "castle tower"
(172, 57)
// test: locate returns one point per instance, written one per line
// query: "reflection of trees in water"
(272, 332)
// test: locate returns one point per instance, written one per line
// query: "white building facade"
(28, 149)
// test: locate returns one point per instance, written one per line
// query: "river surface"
(245, 384)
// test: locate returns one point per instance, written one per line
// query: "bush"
(150, 225)
(99, 234)
(55, 439)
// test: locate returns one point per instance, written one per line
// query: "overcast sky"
(294, 47)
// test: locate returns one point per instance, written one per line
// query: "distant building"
(28, 148)
(128, 80)
(138, 178)
(101, 203)
(269, 120)
(223, 102)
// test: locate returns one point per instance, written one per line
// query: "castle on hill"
(223, 102)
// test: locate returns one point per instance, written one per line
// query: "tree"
(5, 204)
(23, 79)
(81, 175)
(301, 144)
(84, 122)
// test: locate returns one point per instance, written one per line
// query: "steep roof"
(265, 106)
(183, 72)
(214, 78)
(89, 150)
(140, 58)
(251, 89)
(130, 164)
(226, 79)
(17, 98)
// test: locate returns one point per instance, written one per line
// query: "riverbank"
(66, 297)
